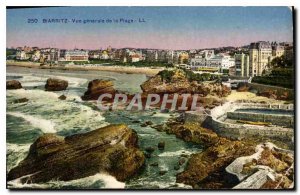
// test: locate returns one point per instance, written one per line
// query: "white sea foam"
(108, 180)
(176, 153)
(33, 94)
(45, 125)
(161, 115)
(15, 154)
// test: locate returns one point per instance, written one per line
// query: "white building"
(76, 55)
(206, 60)
(21, 55)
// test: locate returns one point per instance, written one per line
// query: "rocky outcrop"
(62, 97)
(53, 84)
(97, 87)
(21, 100)
(13, 84)
(206, 169)
(178, 83)
(190, 132)
(112, 149)
(264, 168)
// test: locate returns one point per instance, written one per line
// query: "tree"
(281, 62)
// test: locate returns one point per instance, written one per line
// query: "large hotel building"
(260, 54)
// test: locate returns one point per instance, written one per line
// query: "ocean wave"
(15, 154)
(45, 125)
(69, 114)
(99, 180)
(145, 183)
(32, 94)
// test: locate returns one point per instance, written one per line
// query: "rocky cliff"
(112, 149)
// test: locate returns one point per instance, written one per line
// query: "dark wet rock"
(98, 87)
(155, 164)
(149, 123)
(159, 127)
(161, 145)
(21, 100)
(144, 125)
(184, 155)
(162, 172)
(136, 121)
(13, 84)
(176, 167)
(62, 97)
(181, 161)
(53, 84)
(148, 155)
(112, 149)
(150, 149)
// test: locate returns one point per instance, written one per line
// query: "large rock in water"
(13, 84)
(179, 83)
(112, 149)
(97, 87)
(206, 169)
(56, 84)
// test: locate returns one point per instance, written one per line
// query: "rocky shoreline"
(207, 169)
(112, 149)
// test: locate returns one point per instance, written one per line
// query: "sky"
(164, 27)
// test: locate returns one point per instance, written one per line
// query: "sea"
(45, 113)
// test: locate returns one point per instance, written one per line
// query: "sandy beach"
(120, 69)
(237, 96)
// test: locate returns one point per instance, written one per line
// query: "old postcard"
(194, 98)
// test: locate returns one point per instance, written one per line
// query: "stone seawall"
(279, 90)
(281, 120)
(237, 131)
(215, 120)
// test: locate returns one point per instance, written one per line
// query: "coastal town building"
(134, 58)
(151, 55)
(206, 60)
(76, 55)
(241, 65)
(259, 56)
(162, 56)
(183, 58)
(104, 55)
(277, 50)
(22, 55)
(94, 54)
(36, 55)
(231, 71)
